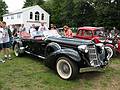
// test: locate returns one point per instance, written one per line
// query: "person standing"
(67, 31)
(1, 42)
(43, 27)
(33, 31)
(6, 42)
(22, 28)
(10, 34)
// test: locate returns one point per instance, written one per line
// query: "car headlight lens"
(83, 48)
(116, 45)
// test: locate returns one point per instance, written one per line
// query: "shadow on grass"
(90, 74)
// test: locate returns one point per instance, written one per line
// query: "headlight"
(100, 45)
(83, 48)
(116, 45)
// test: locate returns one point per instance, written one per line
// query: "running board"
(35, 55)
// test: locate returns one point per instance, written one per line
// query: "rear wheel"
(17, 50)
(66, 68)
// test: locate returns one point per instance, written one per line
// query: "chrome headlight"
(83, 48)
(116, 45)
(100, 45)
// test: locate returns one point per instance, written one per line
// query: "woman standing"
(67, 31)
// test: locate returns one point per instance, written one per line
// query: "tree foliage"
(81, 12)
(84, 13)
(71, 12)
(3, 9)
(108, 13)
(33, 2)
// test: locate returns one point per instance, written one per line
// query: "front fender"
(109, 45)
(52, 58)
(74, 55)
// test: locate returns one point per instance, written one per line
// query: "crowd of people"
(7, 34)
(66, 30)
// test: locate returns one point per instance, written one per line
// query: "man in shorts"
(6, 42)
(1, 43)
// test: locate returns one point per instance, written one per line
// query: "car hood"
(72, 41)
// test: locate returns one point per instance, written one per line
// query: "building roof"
(23, 10)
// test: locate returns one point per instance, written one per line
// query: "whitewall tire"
(66, 68)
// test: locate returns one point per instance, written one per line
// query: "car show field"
(65, 55)
(30, 73)
(53, 45)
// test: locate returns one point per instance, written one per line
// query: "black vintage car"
(66, 55)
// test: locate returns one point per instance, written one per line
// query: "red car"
(97, 34)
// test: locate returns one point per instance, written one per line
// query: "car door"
(38, 46)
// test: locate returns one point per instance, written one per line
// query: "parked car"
(66, 55)
(98, 35)
(90, 33)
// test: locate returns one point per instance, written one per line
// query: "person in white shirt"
(32, 31)
(1, 43)
(43, 27)
(22, 28)
(6, 42)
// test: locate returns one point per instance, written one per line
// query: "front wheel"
(66, 68)
(109, 51)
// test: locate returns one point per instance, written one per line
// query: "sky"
(14, 5)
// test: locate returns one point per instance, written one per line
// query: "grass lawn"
(29, 73)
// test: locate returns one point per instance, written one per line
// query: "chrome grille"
(93, 56)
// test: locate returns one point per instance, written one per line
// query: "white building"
(27, 16)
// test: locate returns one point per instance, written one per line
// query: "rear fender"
(51, 47)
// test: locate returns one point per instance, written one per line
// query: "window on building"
(42, 16)
(7, 17)
(37, 16)
(31, 15)
(12, 17)
(18, 15)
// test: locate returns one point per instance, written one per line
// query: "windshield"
(98, 32)
(49, 33)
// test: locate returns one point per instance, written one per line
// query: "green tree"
(70, 12)
(3, 9)
(54, 8)
(67, 12)
(84, 13)
(28, 3)
(108, 13)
